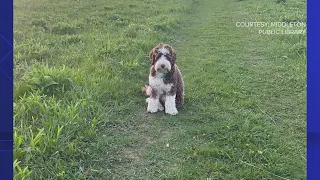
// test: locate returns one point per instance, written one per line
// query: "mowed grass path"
(244, 116)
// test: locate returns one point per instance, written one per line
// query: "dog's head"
(163, 57)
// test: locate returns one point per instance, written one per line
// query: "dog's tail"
(146, 90)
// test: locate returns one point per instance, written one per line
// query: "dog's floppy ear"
(151, 56)
(172, 54)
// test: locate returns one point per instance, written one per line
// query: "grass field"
(80, 114)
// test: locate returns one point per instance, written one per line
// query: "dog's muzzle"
(163, 65)
(163, 69)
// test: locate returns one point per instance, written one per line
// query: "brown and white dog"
(166, 86)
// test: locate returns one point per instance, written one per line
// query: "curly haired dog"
(166, 87)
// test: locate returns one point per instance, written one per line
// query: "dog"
(166, 86)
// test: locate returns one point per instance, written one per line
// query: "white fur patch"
(153, 104)
(152, 107)
(170, 105)
(157, 83)
(163, 50)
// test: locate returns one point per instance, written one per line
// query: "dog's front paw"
(151, 110)
(152, 107)
(172, 111)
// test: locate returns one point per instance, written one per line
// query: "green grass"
(79, 112)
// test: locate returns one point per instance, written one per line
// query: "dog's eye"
(168, 57)
(158, 55)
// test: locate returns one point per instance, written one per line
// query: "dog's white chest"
(157, 83)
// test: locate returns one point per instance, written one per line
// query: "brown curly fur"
(174, 76)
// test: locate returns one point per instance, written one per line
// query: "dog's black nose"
(162, 66)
